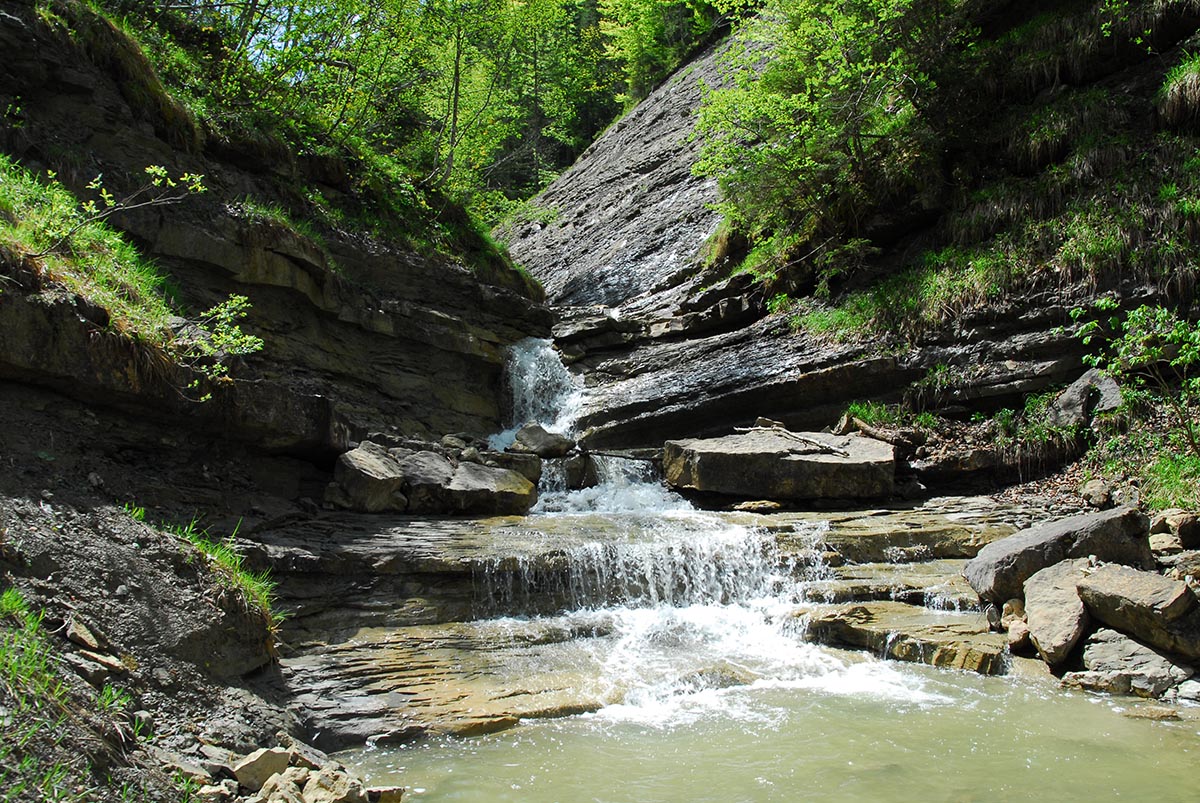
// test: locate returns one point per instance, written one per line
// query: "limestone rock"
(1012, 612)
(283, 787)
(535, 439)
(1001, 568)
(385, 794)
(775, 465)
(1096, 493)
(1156, 610)
(370, 479)
(910, 633)
(332, 785)
(528, 466)
(1187, 527)
(1094, 392)
(1018, 636)
(1055, 614)
(425, 475)
(489, 491)
(255, 769)
(1147, 672)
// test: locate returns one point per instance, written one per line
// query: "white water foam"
(686, 610)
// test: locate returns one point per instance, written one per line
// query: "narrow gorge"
(609, 526)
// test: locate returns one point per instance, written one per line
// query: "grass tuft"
(1179, 97)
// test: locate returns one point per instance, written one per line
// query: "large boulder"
(489, 491)
(373, 479)
(999, 571)
(370, 479)
(536, 439)
(1156, 610)
(1094, 392)
(1055, 614)
(1117, 664)
(426, 475)
(777, 464)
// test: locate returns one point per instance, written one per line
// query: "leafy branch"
(1150, 348)
(159, 190)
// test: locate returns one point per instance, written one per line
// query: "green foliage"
(1179, 96)
(69, 243)
(1149, 348)
(1172, 480)
(832, 127)
(877, 414)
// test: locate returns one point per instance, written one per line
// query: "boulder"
(1018, 636)
(333, 785)
(425, 477)
(777, 464)
(1096, 493)
(369, 479)
(385, 794)
(1054, 612)
(1001, 568)
(255, 769)
(1013, 611)
(486, 490)
(535, 439)
(1118, 664)
(1156, 610)
(528, 466)
(1094, 392)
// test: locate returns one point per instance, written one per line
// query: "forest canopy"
(484, 100)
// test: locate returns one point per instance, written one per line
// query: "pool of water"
(864, 730)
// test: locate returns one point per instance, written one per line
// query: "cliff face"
(360, 334)
(629, 217)
(671, 350)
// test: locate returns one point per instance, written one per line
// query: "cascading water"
(676, 630)
(681, 603)
(541, 391)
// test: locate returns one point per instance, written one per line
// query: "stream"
(676, 631)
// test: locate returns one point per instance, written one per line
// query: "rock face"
(1000, 570)
(1117, 664)
(1160, 612)
(390, 339)
(373, 479)
(630, 212)
(1054, 612)
(777, 465)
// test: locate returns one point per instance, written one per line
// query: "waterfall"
(540, 390)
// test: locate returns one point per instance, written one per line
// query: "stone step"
(910, 633)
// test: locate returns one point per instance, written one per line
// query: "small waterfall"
(541, 390)
(671, 559)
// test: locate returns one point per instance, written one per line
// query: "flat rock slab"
(1148, 606)
(1117, 664)
(779, 465)
(1055, 614)
(462, 679)
(936, 584)
(998, 573)
(914, 634)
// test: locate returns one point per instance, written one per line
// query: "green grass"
(26, 666)
(1172, 480)
(256, 588)
(1179, 96)
(878, 414)
(254, 211)
(95, 262)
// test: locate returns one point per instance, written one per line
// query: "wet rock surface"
(909, 633)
